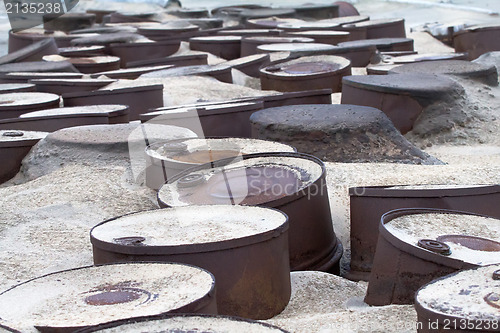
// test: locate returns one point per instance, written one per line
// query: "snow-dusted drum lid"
(426, 244)
(166, 159)
(14, 145)
(83, 51)
(12, 105)
(249, 32)
(139, 98)
(249, 44)
(246, 248)
(475, 71)
(295, 47)
(292, 182)
(16, 87)
(115, 113)
(226, 47)
(64, 86)
(406, 59)
(306, 73)
(67, 300)
(369, 203)
(304, 26)
(188, 323)
(88, 65)
(465, 301)
(401, 97)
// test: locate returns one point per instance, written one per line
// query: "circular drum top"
(458, 67)
(216, 39)
(16, 136)
(98, 83)
(15, 100)
(295, 47)
(470, 238)
(197, 151)
(319, 25)
(309, 118)
(192, 323)
(83, 60)
(109, 109)
(16, 87)
(100, 294)
(378, 22)
(425, 85)
(427, 57)
(83, 51)
(38, 66)
(469, 294)
(275, 39)
(106, 39)
(190, 226)
(378, 42)
(251, 180)
(319, 33)
(113, 135)
(313, 65)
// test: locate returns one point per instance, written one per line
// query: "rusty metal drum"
(369, 203)
(292, 182)
(246, 248)
(426, 244)
(306, 73)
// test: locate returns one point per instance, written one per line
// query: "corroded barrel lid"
(469, 297)
(110, 109)
(303, 66)
(16, 138)
(99, 294)
(425, 85)
(453, 67)
(22, 100)
(193, 229)
(295, 47)
(463, 237)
